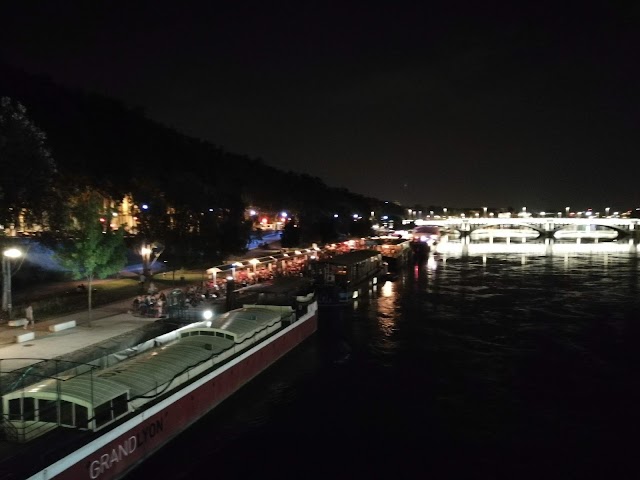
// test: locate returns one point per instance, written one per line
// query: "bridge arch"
(509, 226)
(567, 228)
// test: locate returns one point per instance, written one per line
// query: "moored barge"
(99, 423)
(340, 279)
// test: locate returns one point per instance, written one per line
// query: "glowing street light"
(145, 252)
(8, 255)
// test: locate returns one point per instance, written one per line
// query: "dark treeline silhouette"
(100, 143)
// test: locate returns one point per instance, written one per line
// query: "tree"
(28, 180)
(91, 251)
(290, 236)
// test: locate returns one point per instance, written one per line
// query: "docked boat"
(419, 251)
(396, 251)
(340, 279)
(100, 422)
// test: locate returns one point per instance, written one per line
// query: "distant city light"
(145, 206)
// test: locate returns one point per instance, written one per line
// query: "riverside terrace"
(288, 262)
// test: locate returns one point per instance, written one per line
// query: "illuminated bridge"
(545, 227)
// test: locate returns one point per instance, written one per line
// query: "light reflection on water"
(537, 247)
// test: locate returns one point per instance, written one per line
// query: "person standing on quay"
(28, 312)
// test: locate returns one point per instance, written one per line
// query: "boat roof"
(81, 389)
(388, 240)
(147, 371)
(282, 286)
(351, 257)
(246, 320)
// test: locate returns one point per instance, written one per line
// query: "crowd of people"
(150, 305)
(154, 303)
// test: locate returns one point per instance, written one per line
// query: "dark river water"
(479, 364)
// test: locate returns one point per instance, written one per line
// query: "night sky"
(449, 103)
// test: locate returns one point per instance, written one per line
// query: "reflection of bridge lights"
(534, 248)
(387, 289)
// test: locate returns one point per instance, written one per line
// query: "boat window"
(230, 337)
(66, 413)
(47, 411)
(28, 408)
(82, 417)
(14, 409)
(219, 334)
(120, 405)
(207, 333)
(103, 414)
(184, 334)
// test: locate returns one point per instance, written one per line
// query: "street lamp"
(7, 256)
(145, 251)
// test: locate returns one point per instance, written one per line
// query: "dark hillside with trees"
(98, 141)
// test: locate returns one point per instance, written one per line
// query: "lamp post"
(173, 271)
(7, 256)
(229, 300)
(145, 251)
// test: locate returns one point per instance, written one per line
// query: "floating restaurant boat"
(342, 278)
(396, 251)
(99, 423)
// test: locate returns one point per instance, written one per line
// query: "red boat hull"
(116, 452)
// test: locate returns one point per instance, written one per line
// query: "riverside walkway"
(112, 328)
